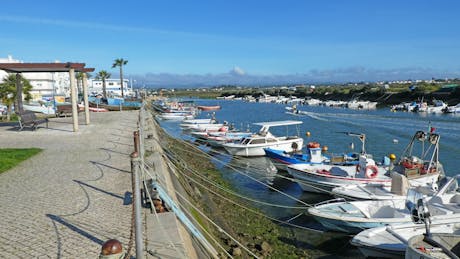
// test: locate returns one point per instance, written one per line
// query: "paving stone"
(67, 200)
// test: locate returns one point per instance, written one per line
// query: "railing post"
(135, 166)
(136, 141)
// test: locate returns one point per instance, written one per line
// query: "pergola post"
(85, 97)
(73, 96)
(19, 93)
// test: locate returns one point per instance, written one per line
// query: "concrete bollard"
(112, 249)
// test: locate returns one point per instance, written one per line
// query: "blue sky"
(172, 43)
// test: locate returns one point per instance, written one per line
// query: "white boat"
(206, 127)
(198, 121)
(324, 177)
(175, 116)
(355, 216)
(453, 109)
(437, 107)
(39, 108)
(391, 241)
(420, 170)
(217, 139)
(254, 145)
(366, 105)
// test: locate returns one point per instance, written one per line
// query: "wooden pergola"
(69, 67)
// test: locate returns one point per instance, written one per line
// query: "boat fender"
(371, 171)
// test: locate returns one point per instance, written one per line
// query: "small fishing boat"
(208, 108)
(178, 116)
(420, 170)
(324, 177)
(453, 109)
(254, 145)
(197, 121)
(313, 155)
(218, 139)
(355, 216)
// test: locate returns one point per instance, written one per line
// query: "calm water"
(387, 132)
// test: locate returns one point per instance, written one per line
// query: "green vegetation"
(8, 93)
(384, 92)
(10, 157)
(119, 62)
(103, 75)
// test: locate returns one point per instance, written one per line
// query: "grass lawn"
(10, 157)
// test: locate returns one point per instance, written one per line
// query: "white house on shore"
(112, 85)
(43, 84)
(47, 85)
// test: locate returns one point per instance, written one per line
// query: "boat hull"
(258, 150)
(312, 181)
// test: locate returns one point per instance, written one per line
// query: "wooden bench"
(63, 110)
(28, 118)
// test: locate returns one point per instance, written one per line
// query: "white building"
(43, 84)
(112, 86)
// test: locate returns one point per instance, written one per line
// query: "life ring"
(313, 145)
(371, 171)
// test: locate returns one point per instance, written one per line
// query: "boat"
(218, 139)
(366, 105)
(313, 155)
(198, 121)
(208, 107)
(431, 245)
(39, 108)
(178, 116)
(391, 241)
(355, 216)
(254, 145)
(437, 107)
(452, 109)
(420, 170)
(325, 176)
(111, 107)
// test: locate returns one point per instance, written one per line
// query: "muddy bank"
(265, 238)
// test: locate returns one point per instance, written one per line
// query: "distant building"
(44, 84)
(112, 86)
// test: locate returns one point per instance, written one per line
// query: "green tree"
(120, 62)
(103, 75)
(79, 77)
(8, 93)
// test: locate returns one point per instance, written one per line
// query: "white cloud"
(237, 71)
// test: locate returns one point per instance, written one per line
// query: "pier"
(69, 199)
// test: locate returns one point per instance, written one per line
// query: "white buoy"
(395, 141)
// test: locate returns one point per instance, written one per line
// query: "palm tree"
(8, 91)
(119, 62)
(103, 75)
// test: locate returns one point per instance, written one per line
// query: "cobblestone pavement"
(69, 199)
